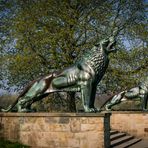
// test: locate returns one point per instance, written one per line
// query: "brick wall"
(57, 130)
(135, 123)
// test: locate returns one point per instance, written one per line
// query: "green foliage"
(127, 69)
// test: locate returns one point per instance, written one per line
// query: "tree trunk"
(71, 102)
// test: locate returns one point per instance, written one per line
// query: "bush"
(8, 144)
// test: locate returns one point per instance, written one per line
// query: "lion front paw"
(91, 110)
(145, 110)
(25, 110)
(97, 109)
(108, 107)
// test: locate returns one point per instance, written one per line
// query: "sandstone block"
(75, 124)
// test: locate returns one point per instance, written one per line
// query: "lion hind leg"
(35, 91)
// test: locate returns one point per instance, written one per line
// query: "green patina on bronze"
(141, 91)
(83, 76)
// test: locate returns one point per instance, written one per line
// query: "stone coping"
(128, 112)
(46, 114)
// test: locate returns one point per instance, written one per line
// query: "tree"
(50, 34)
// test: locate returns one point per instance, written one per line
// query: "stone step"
(121, 140)
(128, 143)
(116, 136)
(112, 132)
(141, 144)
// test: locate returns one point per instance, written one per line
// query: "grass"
(8, 144)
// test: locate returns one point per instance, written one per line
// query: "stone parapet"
(55, 130)
(133, 122)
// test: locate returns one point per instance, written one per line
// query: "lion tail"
(10, 107)
(7, 110)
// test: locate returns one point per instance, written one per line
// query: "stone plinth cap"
(129, 112)
(45, 114)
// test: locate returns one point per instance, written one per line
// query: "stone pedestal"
(56, 130)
